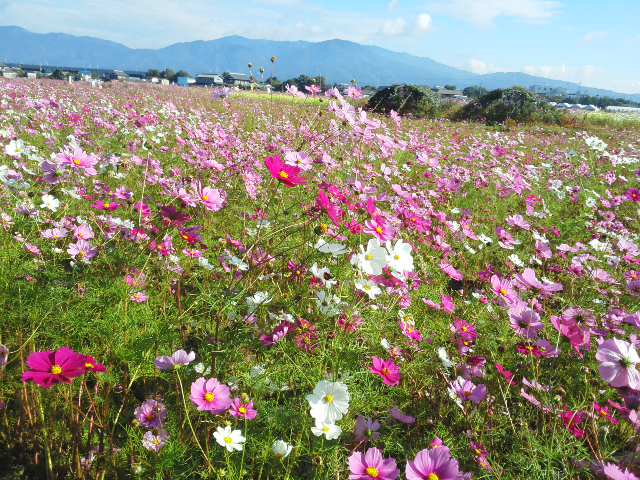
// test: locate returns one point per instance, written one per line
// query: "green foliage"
(515, 104)
(406, 100)
(475, 91)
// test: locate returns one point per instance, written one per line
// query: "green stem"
(193, 432)
(47, 450)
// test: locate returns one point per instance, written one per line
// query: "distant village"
(559, 98)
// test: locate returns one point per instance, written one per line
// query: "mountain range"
(339, 61)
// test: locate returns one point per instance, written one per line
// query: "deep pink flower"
(371, 465)
(379, 228)
(239, 409)
(572, 421)
(105, 206)
(210, 395)
(50, 368)
(286, 174)
(387, 370)
(90, 365)
(633, 195)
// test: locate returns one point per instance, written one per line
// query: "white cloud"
(393, 5)
(594, 36)
(394, 27)
(584, 74)
(484, 12)
(478, 66)
(423, 22)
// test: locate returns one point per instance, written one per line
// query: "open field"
(463, 298)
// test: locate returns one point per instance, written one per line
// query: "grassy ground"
(153, 142)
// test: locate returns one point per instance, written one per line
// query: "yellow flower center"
(373, 472)
(283, 174)
(107, 204)
(385, 371)
(433, 476)
(379, 230)
(209, 397)
(56, 369)
(325, 429)
(368, 257)
(228, 440)
(503, 292)
(328, 399)
(76, 161)
(88, 365)
(242, 410)
(396, 257)
(205, 197)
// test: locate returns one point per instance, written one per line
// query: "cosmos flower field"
(199, 285)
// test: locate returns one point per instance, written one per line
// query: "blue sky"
(593, 42)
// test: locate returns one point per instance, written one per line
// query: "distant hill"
(338, 61)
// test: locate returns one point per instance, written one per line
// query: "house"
(185, 81)
(447, 94)
(8, 72)
(117, 75)
(164, 81)
(239, 80)
(209, 79)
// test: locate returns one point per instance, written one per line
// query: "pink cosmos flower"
(180, 358)
(572, 421)
(401, 417)
(431, 464)
(210, 396)
(617, 362)
(525, 321)
(503, 289)
(154, 441)
(51, 368)
(285, 174)
(213, 199)
(239, 409)
(82, 250)
(4, 355)
(139, 297)
(614, 472)
(379, 228)
(371, 465)
(466, 390)
(151, 414)
(77, 159)
(366, 429)
(387, 370)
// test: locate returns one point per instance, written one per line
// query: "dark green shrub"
(515, 104)
(406, 100)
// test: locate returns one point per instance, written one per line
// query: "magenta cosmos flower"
(210, 395)
(432, 464)
(387, 370)
(617, 362)
(239, 409)
(286, 174)
(50, 368)
(77, 159)
(371, 465)
(91, 365)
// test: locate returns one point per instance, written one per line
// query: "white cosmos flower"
(229, 439)
(399, 256)
(50, 202)
(323, 275)
(373, 260)
(335, 249)
(368, 287)
(257, 299)
(331, 431)
(328, 305)
(15, 148)
(329, 401)
(281, 449)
